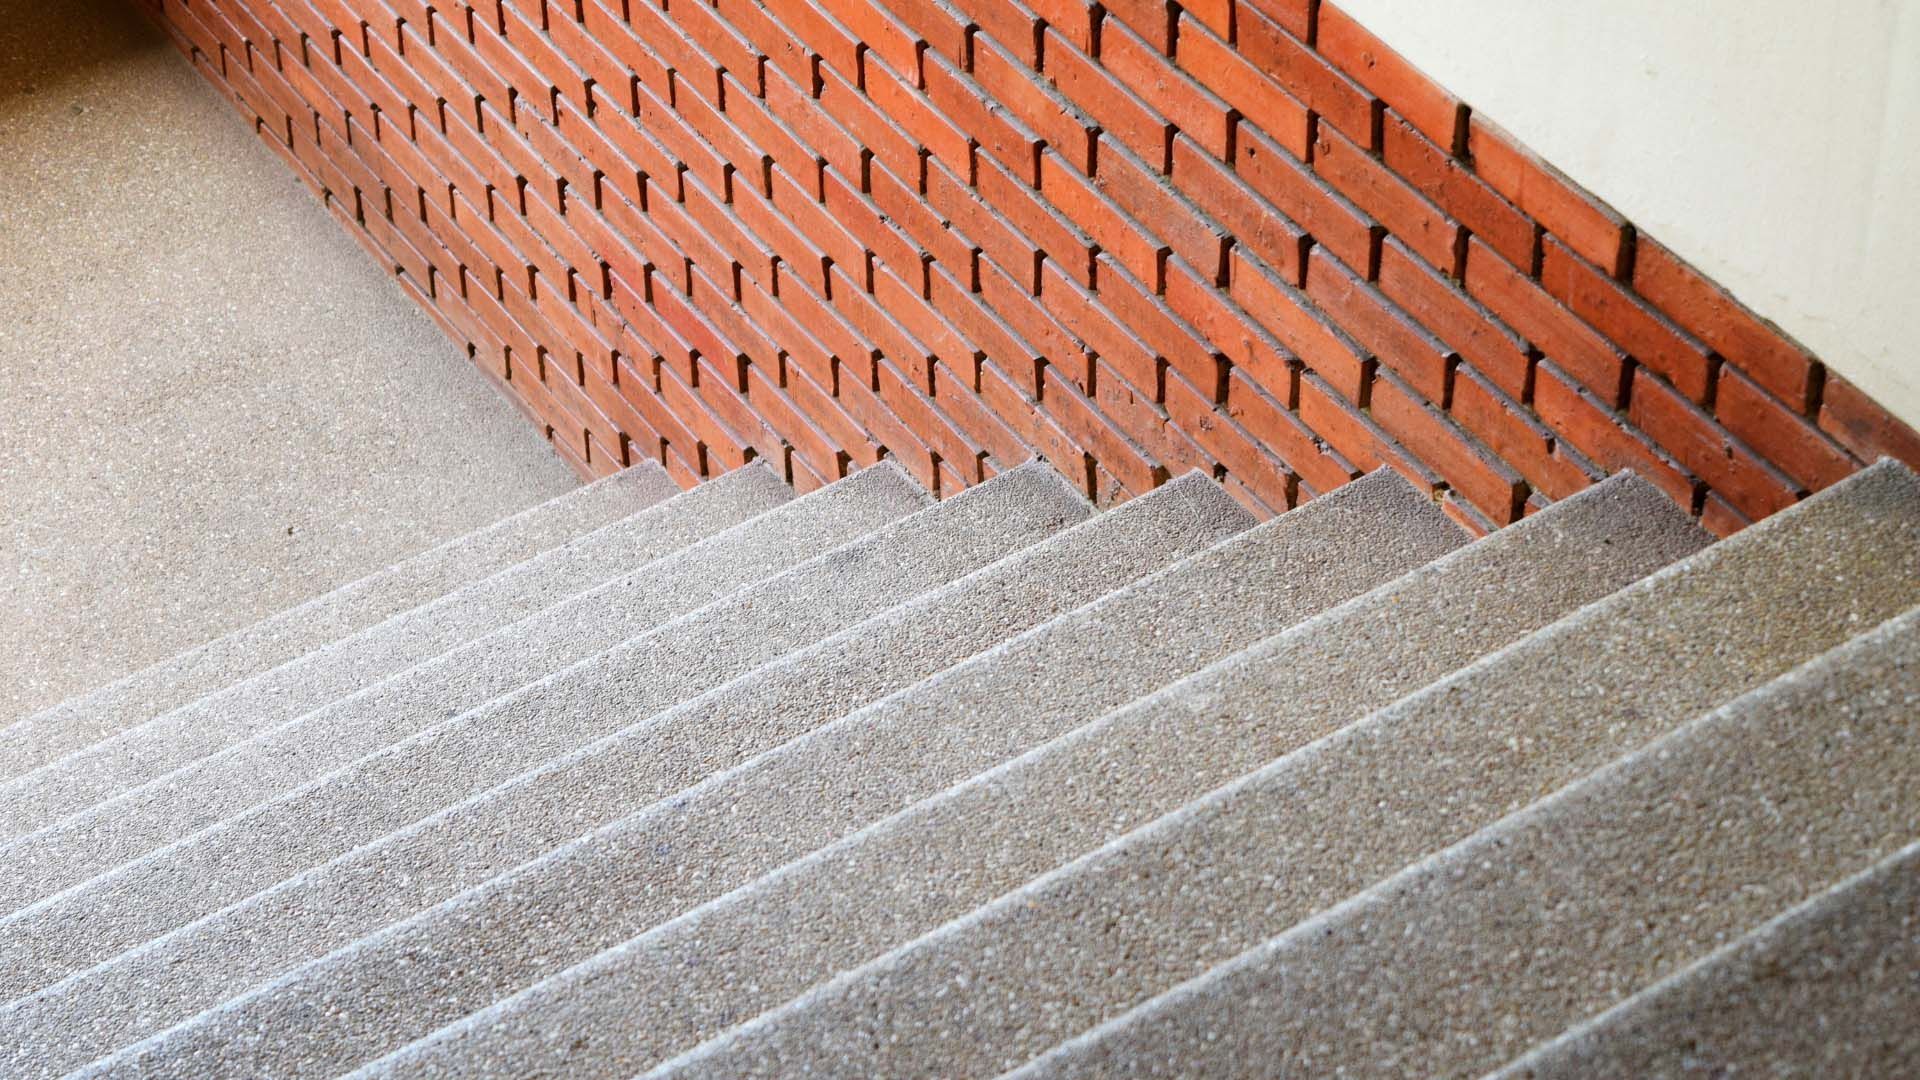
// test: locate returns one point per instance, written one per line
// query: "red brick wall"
(1241, 235)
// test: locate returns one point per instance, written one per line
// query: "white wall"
(1775, 144)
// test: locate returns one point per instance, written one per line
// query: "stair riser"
(167, 742)
(456, 849)
(1004, 829)
(1602, 890)
(53, 733)
(649, 868)
(1827, 989)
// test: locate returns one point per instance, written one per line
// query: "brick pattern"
(1135, 237)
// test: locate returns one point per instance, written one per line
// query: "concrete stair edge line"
(645, 473)
(1624, 600)
(1488, 839)
(1382, 479)
(488, 600)
(127, 796)
(683, 618)
(1187, 504)
(1098, 727)
(1329, 512)
(757, 502)
(1566, 1049)
(1040, 477)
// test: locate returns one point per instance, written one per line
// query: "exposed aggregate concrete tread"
(1466, 958)
(86, 776)
(621, 879)
(874, 891)
(1831, 988)
(710, 541)
(281, 757)
(887, 552)
(463, 845)
(40, 737)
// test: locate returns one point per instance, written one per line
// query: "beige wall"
(1773, 143)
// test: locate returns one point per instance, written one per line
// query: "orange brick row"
(1134, 237)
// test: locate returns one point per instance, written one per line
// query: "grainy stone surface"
(152, 750)
(286, 635)
(1461, 961)
(1831, 988)
(1011, 825)
(601, 889)
(104, 917)
(280, 837)
(194, 436)
(675, 662)
(464, 845)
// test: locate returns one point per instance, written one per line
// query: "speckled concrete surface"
(1006, 827)
(1831, 988)
(489, 834)
(194, 436)
(295, 631)
(282, 836)
(610, 884)
(1463, 960)
(678, 661)
(682, 532)
(173, 740)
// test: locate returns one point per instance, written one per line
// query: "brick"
(1863, 426)
(1718, 517)
(1192, 108)
(1172, 339)
(1307, 77)
(1242, 80)
(1127, 181)
(1458, 192)
(1355, 435)
(1737, 334)
(1788, 440)
(1602, 435)
(1280, 431)
(1277, 174)
(1120, 113)
(1227, 329)
(1462, 322)
(1583, 222)
(1707, 449)
(1469, 469)
(1013, 85)
(1302, 328)
(1518, 438)
(1541, 319)
(1627, 321)
(1395, 340)
(1350, 47)
(1000, 134)
(1394, 203)
(1250, 219)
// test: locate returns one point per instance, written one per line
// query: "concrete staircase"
(731, 783)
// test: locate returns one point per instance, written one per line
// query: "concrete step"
(80, 779)
(315, 912)
(1319, 822)
(1016, 822)
(718, 537)
(34, 740)
(484, 747)
(1466, 958)
(621, 879)
(1827, 989)
(283, 757)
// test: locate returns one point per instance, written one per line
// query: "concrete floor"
(213, 404)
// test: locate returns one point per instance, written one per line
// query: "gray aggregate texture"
(469, 842)
(261, 646)
(195, 435)
(691, 533)
(736, 825)
(1831, 988)
(126, 759)
(1066, 799)
(1465, 959)
(749, 555)
(678, 661)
